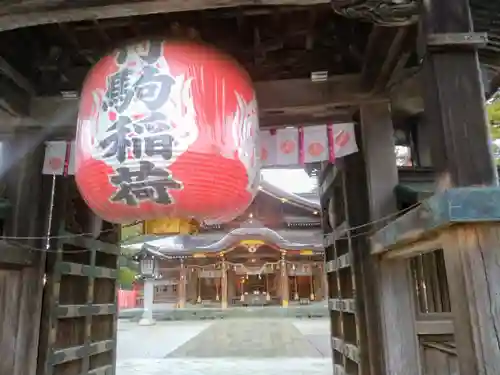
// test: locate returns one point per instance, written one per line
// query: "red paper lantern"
(167, 129)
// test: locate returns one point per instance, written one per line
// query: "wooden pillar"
(192, 286)
(423, 135)
(20, 167)
(454, 98)
(387, 308)
(313, 291)
(285, 292)
(231, 287)
(223, 287)
(181, 287)
(324, 282)
(454, 106)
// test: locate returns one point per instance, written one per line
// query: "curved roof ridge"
(187, 243)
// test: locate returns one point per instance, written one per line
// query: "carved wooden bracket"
(382, 12)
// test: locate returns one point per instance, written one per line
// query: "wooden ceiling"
(47, 46)
(278, 42)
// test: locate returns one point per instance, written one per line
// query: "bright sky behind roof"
(290, 180)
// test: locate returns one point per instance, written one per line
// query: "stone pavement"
(226, 366)
(236, 347)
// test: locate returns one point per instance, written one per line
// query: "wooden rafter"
(13, 100)
(389, 48)
(274, 42)
(15, 90)
(7, 70)
(70, 36)
(24, 14)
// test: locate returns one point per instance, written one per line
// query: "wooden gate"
(345, 296)
(79, 316)
(433, 317)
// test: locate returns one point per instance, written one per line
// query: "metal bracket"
(460, 40)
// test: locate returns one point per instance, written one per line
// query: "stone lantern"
(148, 265)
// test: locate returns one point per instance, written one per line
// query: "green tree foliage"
(493, 114)
(130, 231)
(126, 277)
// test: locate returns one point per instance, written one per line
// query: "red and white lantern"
(167, 129)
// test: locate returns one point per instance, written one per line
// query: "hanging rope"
(346, 235)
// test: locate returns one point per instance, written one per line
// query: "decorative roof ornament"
(252, 248)
(381, 12)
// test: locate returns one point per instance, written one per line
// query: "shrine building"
(270, 255)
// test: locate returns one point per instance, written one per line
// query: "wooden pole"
(324, 282)
(181, 289)
(199, 281)
(192, 285)
(312, 297)
(223, 288)
(454, 103)
(285, 292)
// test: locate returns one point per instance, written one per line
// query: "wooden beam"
(292, 102)
(13, 254)
(280, 102)
(397, 56)
(388, 48)
(294, 94)
(379, 39)
(16, 90)
(273, 121)
(435, 327)
(423, 246)
(10, 72)
(22, 14)
(451, 207)
(13, 100)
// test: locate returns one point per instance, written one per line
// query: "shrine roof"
(308, 201)
(183, 244)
